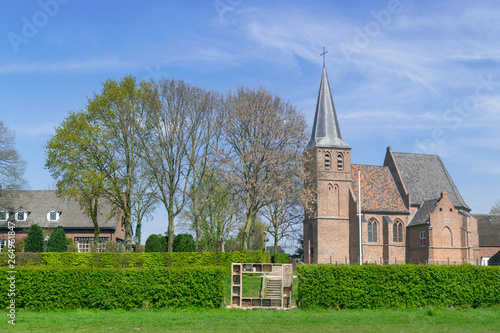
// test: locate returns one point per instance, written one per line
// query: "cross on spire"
(323, 54)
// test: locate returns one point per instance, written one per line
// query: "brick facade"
(407, 215)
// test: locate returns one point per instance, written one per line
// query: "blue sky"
(419, 76)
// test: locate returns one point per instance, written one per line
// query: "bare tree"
(264, 136)
(174, 145)
(12, 167)
(495, 209)
(218, 211)
(284, 218)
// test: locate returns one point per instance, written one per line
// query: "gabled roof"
(326, 130)
(488, 226)
(425, 177)
(378, 190)
(422, 214)
(39, 203)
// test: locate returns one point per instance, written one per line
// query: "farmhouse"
(49, 211)
(407, 210)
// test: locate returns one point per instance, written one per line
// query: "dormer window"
(4, 216)
(21, 215)
(327, 161)
(53, 215)
(340, 162)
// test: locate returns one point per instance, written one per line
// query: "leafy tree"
(174, 141)
(105, 150)
(263, 136)
(153, 244)
(57, 241)
(496, 208)
(66, 160)
(184, 243)
(12, 167)
(34, 241)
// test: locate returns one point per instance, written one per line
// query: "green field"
(224, 320)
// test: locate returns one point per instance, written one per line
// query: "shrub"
(403, 286)
(99, 288)
(153, 244)
(138, 260)
(34, 241)
(57, 241)
(184, 243)
(281, 258)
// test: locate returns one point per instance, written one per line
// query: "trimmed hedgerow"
(137, 260)
(281, 258)
(42, 288)
(402, 286)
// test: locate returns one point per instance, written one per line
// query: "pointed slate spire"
(326, 130)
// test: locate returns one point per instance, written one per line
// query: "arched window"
(372, 231)
(327, 161)
(340, 162)
(397, 232)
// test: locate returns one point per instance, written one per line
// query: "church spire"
(326, 130)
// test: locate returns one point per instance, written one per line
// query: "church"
(405, 211)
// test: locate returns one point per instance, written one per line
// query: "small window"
(327, 161)
(423, 241)
(446, 220)
(53, 216)
(340, 162)
(3, 215)
(20, 216)
(372, 231)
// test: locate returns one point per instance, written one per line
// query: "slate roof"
(422, 214)
(425, 177)
(39, 203)
(326, 130)
(378, 189)
(488, 226)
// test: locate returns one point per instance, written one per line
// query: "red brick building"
(45, 208)
(410, 210)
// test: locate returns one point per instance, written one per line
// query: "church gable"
(378, 190)
(425, 177)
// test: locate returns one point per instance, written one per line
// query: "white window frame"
(423, 238)
(6, 215)
(25, 215)
(57, 215)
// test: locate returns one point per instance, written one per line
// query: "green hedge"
(42, 288)
(281, 258)
(138, 260)
(403, 286)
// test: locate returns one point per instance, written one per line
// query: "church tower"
(328, 170)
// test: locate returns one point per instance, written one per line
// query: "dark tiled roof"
(422, 214)
(378, 190)
(39, 203)
(426, 177)
(489, 229)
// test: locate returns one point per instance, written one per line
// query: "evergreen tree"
(184, 243)
(34, 241)
(153, 244)
(57, 241)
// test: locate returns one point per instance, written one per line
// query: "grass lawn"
(225, 320)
